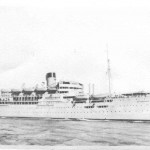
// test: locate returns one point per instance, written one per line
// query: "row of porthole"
(101, 111)
(19, 103)
(124, 100)
(80, 107)
(131, 105)
(68, 112)
(96, 111)
(63, 107)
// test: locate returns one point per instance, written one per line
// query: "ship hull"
(135, 112)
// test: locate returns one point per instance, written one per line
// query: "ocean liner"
(66, 100)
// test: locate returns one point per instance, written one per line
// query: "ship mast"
(108, 70)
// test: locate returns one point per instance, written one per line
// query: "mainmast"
(108, 70)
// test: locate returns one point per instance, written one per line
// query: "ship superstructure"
(67, 89)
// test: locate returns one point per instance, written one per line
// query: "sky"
(69, 37)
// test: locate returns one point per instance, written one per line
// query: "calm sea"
(24, 131)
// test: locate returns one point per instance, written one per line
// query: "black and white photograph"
(75, 74)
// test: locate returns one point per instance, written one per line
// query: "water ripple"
(25, 131)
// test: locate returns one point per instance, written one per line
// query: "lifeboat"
(5, 90)
(40, 90)
(16, 90)
(81, 99)
(28, 90)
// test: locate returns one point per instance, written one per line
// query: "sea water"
(48, 132)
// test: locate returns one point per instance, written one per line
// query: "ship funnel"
(51, 81)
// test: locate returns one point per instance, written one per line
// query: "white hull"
(119, 109)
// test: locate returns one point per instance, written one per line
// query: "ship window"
(54, 75)
(66, 82)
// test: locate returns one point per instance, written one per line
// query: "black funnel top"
(51, 74)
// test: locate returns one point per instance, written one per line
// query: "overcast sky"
(69, 37)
